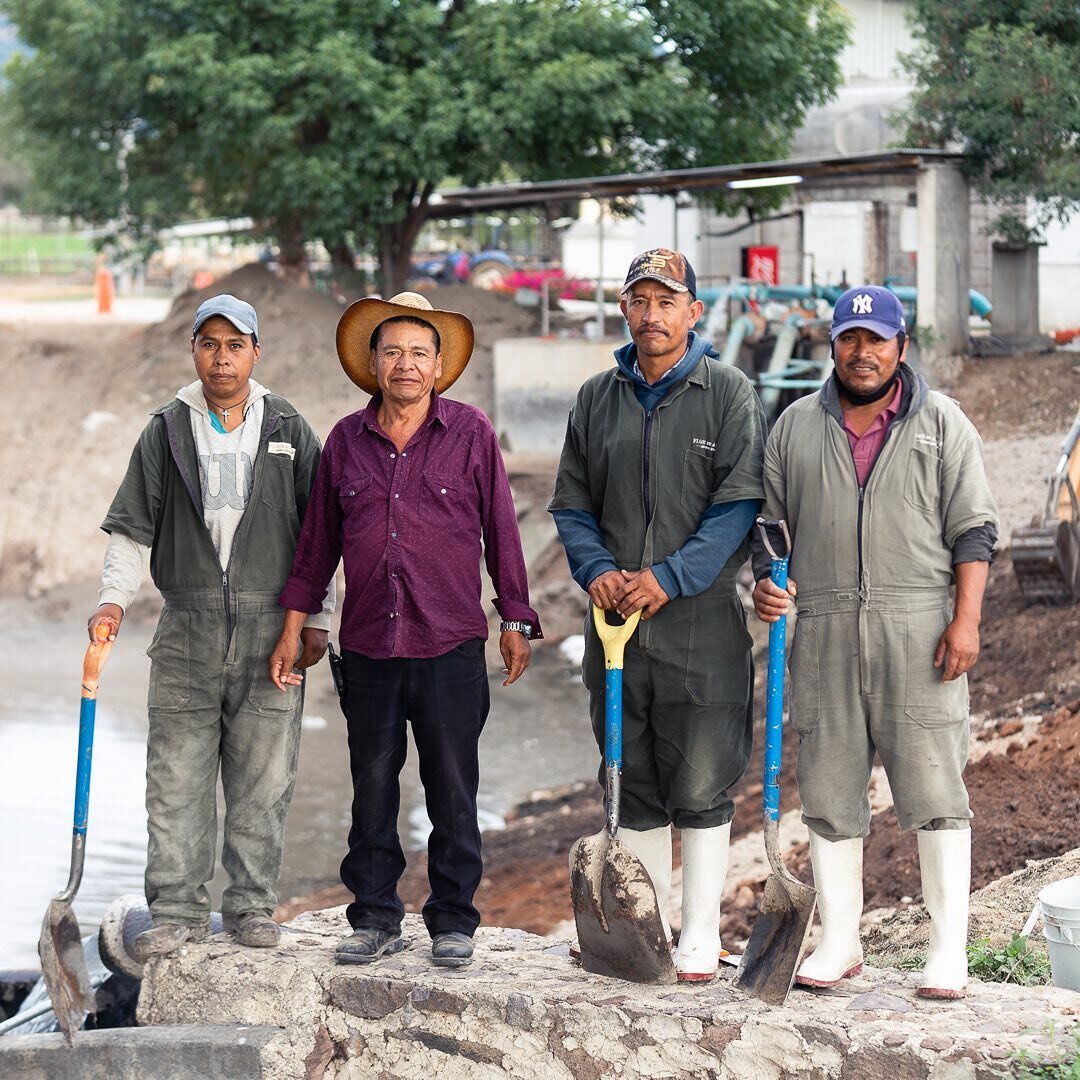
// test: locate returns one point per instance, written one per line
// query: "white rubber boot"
(838, 880)
(704, 870)
(653, 848)
(945, 863)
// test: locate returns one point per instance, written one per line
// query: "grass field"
(43, 252)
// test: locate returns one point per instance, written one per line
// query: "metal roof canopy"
(871, 165)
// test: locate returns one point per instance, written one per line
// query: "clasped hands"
(627, 591)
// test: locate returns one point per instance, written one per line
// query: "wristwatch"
(516, 624)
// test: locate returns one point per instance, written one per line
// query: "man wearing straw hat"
(406, 490)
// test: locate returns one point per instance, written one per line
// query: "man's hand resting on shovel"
(112, 615)
(772, 602)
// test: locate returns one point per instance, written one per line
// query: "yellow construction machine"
(1046, 554)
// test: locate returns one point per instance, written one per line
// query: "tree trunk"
(292, 253)
(396, 240)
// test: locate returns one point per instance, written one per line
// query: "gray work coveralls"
(648, 479)
(874, 570)
(211, 701)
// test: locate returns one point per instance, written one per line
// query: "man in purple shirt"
(406, 490)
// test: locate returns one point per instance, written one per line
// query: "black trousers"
(446, 700)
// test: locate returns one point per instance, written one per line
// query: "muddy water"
(537, 735)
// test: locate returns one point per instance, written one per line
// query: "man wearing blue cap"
(881, 482)
(212, 504)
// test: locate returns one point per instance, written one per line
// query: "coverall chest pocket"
(923, 486)
(357, 500)
(696, 480)
(277, 490)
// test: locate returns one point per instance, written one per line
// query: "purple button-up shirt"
(866, 447)
(409, 527)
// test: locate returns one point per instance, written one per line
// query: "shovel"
(620, 932)
(63, 965)
(787, 907)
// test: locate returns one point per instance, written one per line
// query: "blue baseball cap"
(240, 313)
(871, 307)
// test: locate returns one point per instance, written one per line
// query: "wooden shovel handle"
(97, 652)
(614, 638)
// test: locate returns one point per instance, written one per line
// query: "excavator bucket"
(1046, 554)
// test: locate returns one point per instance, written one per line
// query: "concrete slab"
(182, 1052)
(523, 1009)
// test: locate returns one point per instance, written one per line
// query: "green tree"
(337, 120)
(1000, 78)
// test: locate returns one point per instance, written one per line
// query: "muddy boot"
(838, 880)
(704, 868)
(945, 863)
(254, 929)
(164, 938)
(653, 849)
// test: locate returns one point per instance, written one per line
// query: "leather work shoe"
(452, 949)
(366, 944)
(253, 929)
(166, 938)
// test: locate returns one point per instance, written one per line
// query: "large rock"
(523, 1009)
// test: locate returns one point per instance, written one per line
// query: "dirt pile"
(84, 393)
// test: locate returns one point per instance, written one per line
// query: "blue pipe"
(742, 326)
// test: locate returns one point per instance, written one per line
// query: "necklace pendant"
(225, 417)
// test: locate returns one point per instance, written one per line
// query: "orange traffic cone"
(104, 290)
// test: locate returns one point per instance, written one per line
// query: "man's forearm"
(970, 588)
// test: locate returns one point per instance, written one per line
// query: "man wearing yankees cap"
(881, 482)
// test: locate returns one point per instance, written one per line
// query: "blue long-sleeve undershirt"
(686, 572)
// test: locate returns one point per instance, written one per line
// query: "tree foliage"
(1000, 78)
(337, 119)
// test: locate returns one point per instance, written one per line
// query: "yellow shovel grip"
(614, 638)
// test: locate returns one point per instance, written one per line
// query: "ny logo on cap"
(863, 304)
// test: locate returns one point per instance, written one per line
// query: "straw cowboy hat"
(359, 321)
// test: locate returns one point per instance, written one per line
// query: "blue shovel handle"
(774, 700)
(774, 697)
(96, 655)
(87, 711)
(614, 639)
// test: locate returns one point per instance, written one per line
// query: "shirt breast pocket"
(923, 485)
(356, 498)
(696, 480)
(444, 500)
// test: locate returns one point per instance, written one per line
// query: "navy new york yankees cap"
(872, 307)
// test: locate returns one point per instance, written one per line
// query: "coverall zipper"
(645, 465)
(228, 610)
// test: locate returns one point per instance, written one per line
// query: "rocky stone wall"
(524, 1009)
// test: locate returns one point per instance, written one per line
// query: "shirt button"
(393, 455)
(392, 614)
(396, 496)
(403, 454)
(351, 492)
(442, 491)
(394, 535)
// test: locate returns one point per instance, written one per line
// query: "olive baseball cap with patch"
(668, 267)
(239, 312)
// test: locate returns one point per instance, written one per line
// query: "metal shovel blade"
(776, 943)
(63, 967)
(620, 932)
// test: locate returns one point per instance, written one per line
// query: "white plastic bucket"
(1060, 904)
